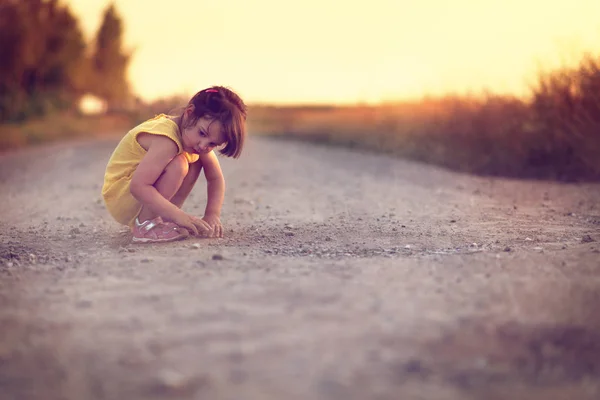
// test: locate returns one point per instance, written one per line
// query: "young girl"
(155, 166)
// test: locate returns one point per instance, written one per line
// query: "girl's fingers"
(202, 225)
(197, 221)
(192, 228)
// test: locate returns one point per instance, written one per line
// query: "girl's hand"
(196, 226)
(215, 224)
(204, 229)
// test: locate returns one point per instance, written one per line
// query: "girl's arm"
(215, 188)
(215, 183)
(161, 150)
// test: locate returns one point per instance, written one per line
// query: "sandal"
(157, 231)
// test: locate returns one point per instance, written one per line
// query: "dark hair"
(222, 104)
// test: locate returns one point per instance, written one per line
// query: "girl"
(155, 166)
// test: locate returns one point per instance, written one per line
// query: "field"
(553, 134)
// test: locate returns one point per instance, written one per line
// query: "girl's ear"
(187, 112)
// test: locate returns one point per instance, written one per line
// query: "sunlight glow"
(323, 51)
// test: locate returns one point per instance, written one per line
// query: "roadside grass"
(487, 135)
(62, 126)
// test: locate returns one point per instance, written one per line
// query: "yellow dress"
(124, 160)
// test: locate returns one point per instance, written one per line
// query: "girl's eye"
(202, 133)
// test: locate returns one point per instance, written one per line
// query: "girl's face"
(203, 136)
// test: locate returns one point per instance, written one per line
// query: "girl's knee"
(178, 167)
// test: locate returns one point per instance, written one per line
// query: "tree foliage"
(45, 64)
(109, 60)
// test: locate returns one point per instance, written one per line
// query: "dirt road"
(343, 275)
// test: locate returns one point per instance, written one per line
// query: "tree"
(110, 61)
(42, 51)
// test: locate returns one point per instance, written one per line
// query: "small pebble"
(195, 246)
(171, 380)
(587, 239)
(217, 257)
(83, 304)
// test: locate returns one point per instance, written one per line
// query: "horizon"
(320, 54)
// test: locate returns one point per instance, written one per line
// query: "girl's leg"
(168, 183)
(188, 184)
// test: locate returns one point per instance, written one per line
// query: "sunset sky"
(325, 51)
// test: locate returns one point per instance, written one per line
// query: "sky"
(339, 51)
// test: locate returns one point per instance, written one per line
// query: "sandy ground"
(343, 275)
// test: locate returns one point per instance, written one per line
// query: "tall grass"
(554, 134)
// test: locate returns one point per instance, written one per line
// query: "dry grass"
(488, 135)
(61, 127)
